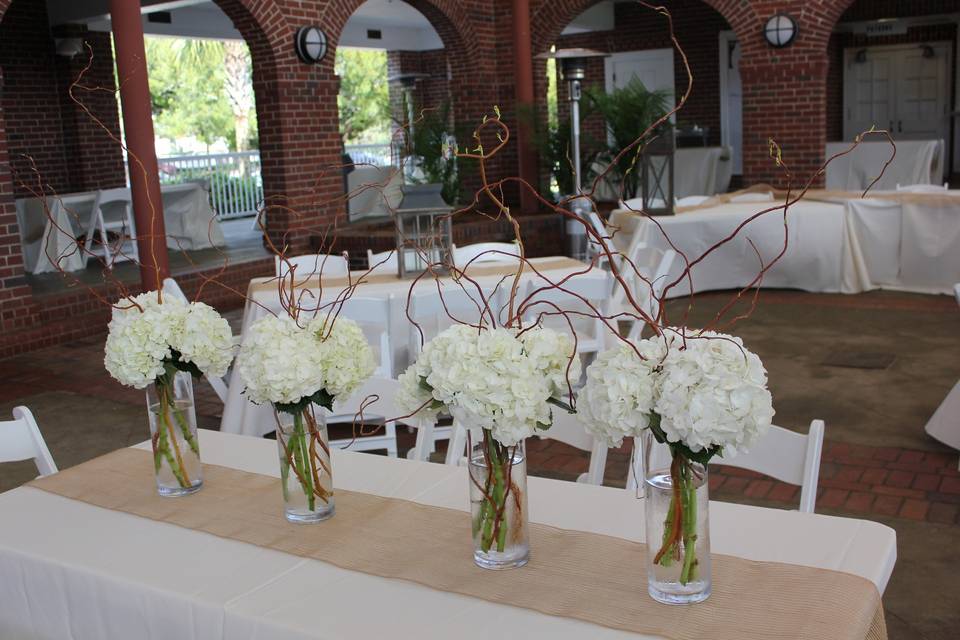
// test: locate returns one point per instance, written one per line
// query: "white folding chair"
(501, 252)
(432, 312)
(781, 454)
(312, 264)
(924, 188)
(655, 265)
(373, 315)
(382, 408)
(542, 300)
(566, 428)
(599, 250)
(219, 385)
(20, 439)
(956, 292)
(383, 262)
(113, 212)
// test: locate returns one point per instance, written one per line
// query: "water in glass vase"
(498, 504)
(306, 476)
(679, 572)
(176, 449)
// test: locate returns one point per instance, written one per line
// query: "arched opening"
(645, 76)
(395, 104)
(895, 67)
(204, 121)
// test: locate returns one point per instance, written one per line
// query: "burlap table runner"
(590, 577)
(258, 285)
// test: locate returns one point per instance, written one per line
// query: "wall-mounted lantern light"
(311, 44)
(780, 30)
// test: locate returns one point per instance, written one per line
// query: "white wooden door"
(899, 88)
(731, 99)
(922, 95)
(653, 67)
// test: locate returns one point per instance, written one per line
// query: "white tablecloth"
(242, 416)
(812, 262)
(908, 245)
(71, 570)
(916, 162)
(189, 220)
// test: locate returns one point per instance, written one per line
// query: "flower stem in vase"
(498, 488)
(680, 524)
(176, 451)
(305, 474)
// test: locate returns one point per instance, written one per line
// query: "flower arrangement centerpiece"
(498, 383)
(692, 396)
(160, 342)
(295, 367)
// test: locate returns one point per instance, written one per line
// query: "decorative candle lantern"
(424, 231)
(656, 174)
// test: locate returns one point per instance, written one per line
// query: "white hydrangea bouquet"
(294, 367)
(701, 394)
(159, 343)
(502, 383)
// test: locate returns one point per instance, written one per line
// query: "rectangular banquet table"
(263, 297)
(73, 570)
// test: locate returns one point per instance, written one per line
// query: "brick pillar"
(300, 149)
(786, 102)
(17, 309)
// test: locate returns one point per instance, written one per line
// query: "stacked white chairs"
(585, 299)
(566, 428)
(113, 212)
(219, 385)
(384, 262)
(20, 439)
(481, 252)
(312, 264)
(782, 454)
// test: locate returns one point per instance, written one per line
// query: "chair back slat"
(312, 264)
(485, 252)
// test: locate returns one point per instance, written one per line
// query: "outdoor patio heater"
(573, 67)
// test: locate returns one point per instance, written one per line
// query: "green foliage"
(431, 144)
(554, 146)
(201, 88)
(628, 112)
(364, 99)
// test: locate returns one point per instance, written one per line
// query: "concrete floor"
(874, 420)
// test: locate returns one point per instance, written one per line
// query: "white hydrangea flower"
(414, 397)
(552, 352)
(620, 391)
(713, 392)
(279, 361)
(485, 379)
(345, 353)
(144, 333)
(206, 339)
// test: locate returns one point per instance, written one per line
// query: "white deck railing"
(235, 185)
(233, 179)
(377, 154)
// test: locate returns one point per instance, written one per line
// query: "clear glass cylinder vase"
(173, 434)
(677, 525)
(498, 503)
(306, 476)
